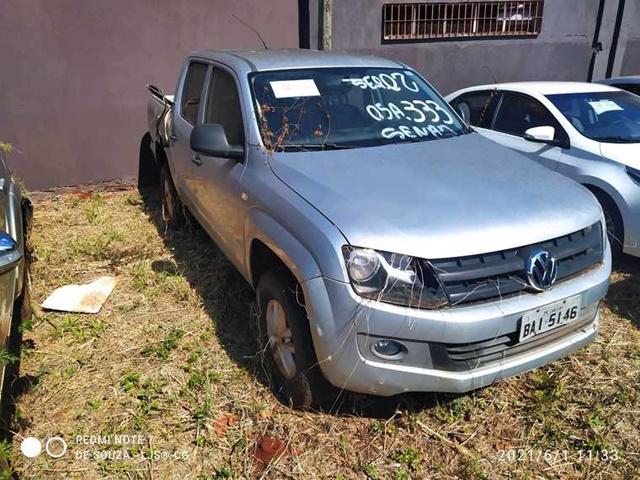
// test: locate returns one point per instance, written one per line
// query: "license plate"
(550, 316)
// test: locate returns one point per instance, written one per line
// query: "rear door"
(515, 114)
(477, 108)
(186, 116)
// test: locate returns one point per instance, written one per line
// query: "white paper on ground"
(602, 106)
(294, 88)
(87, 298)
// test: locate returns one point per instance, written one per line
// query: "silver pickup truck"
(391, 248)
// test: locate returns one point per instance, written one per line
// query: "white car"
(586, 131)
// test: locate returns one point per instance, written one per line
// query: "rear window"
(476, 108)
(192, 92)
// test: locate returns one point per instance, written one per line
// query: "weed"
(93, 208)
(202, 413)
(7, 358)
(129, 381)
(409, 457)
(453, 411)
(370, 471)
(164, 349)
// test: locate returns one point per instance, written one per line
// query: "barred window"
(461, 19)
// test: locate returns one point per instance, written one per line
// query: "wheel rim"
(280, 339)
(168, 200)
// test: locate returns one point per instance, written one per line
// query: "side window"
(192, 91)
(518, 113)
(223, 106)
(476, 108)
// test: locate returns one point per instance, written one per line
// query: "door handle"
(196, 159)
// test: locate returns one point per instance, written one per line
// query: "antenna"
(494, 92)
(493, 77)
(264, 44)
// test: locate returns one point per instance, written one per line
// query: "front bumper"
(344, 324)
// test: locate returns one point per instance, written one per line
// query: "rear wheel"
(287, 345)
(148, 174)
(172, 209)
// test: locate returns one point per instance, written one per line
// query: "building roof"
(277, 59)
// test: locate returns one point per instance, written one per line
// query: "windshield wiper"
(315, 146)
(617, 139)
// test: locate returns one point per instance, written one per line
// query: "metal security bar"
(461, 19)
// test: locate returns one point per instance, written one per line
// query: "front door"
(516, 113)
(217, 180)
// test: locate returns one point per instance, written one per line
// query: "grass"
(171, 357)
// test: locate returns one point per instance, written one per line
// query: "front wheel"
(614, 224)
(287, 345)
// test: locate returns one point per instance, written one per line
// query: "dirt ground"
(166, 382)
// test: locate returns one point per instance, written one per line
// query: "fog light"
(387, 348)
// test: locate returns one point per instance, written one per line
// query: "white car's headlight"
(393, 278)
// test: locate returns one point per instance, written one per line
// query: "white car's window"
(477, 108)
(603, 116)
(349, 107)
(518, 113)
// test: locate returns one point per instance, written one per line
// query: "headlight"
(634, 174)
(393, 278)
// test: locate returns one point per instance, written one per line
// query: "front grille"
(467, 356)
(500, 274)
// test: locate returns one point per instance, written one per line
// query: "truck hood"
(438, 199)
(625, 153)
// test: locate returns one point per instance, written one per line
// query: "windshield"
(348, 108)
(612, 117)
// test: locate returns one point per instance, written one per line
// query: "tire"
(295, 375)
(172, 208)
(148, 174)
(614, 224)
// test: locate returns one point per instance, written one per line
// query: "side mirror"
(210, 139)
(546, 135)
(10, 254)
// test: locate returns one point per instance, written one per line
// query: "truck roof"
(282, 59)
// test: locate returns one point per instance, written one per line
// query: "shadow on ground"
(229, 302)
(624, 295)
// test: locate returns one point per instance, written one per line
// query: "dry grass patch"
(171, 357)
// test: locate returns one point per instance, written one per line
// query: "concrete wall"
(628, 56)
(72, 87)
(562, 51)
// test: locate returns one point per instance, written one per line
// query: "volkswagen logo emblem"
(542, 270)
